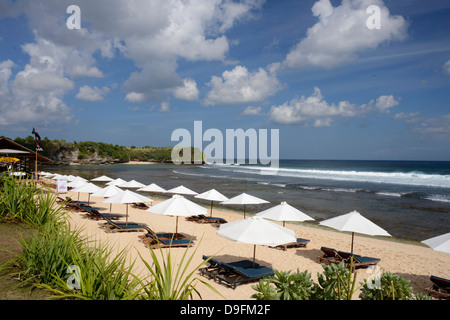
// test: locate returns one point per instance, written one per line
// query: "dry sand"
(412, 261)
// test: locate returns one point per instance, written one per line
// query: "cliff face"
(69, 156)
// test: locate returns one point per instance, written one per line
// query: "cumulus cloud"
(241, 86)
(188, 91)
(252, 111)
(87, 93)
(315, 111)
(34, 95)
(341, 33)
(446, 67)
(154, 35)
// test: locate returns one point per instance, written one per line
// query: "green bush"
(390, 287)
(286, 286)
(336, 282)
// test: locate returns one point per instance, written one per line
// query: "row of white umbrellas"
(255, 230)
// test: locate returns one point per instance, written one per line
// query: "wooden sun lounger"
(156, 243)
(112, 226)
(161, 235)
(358, 261)
(440, 288)
(235, 273)
(300, 243)
(95, 215)
(140, 205)
(330, 255)
(204, 219)
(212, 269)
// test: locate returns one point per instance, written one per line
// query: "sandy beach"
(414, 262)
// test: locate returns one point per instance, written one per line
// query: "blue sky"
(137, 70)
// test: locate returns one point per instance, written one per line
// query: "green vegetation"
(336, 282)
(108, 151)
(66, 265)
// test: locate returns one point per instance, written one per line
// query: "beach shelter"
(284, 212)
(212, 195)
(177, 206)
(182, 190)
(256, 231)
(354, 222)
(131, 184)
(152, 188)
(108, 192)
(116, 182)
(103, 179)
(76, 183)
(127, 197)
(244, 199)
(439, 243)
(87, 187)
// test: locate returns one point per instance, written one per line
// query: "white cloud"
(317, 112)
(154, 35)
(252, 111)
(241, 86)
(341, 32)
(188, 91)
(446, 67)
(87, 93)
(165, 107)
(437, 127)
(35, 94)
(384, 103)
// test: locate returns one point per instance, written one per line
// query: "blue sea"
(410, 199)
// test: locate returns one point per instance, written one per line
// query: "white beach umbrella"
(76, 183)
(182, 190)
(127, 197)
(439, 243)
(284, 212)
(177, 206)
(88, 188)
(152, 188)
(116, 182)
(256, 231)
(102, 179)
(244, 199)
(212, 195)
(131, 184)
(107, 192)
(355, 222)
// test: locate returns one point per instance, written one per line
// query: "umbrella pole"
(127, 216)
(210, 214)
(176, 228)
(244, 211)
(353, 236)
(254, 254)
(110, 207)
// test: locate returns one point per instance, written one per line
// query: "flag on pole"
(38, 139)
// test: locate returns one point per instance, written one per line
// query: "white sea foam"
(403, 178)
(438, 197)
(390, 194)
